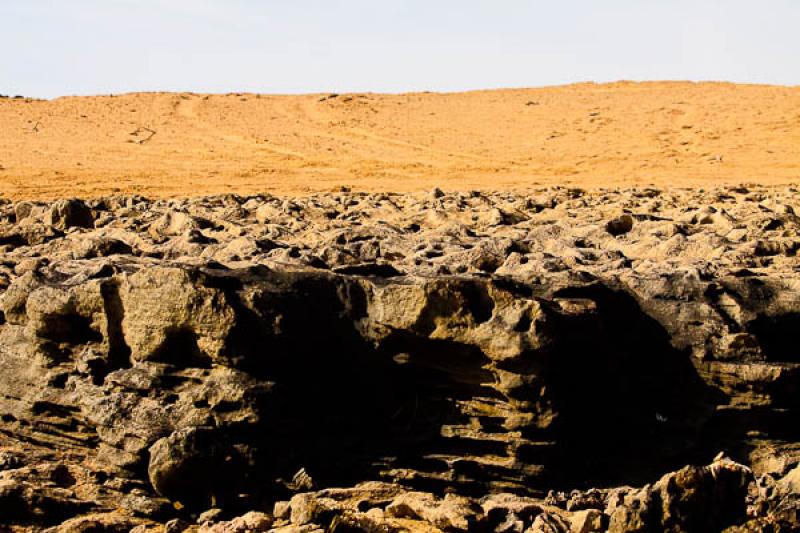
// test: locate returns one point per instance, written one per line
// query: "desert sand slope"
(588, 135)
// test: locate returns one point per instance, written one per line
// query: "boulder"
(65, 214)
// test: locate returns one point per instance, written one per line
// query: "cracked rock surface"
(549, 362)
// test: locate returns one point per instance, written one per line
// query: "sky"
(52, 48)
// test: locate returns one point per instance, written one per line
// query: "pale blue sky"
(60, 47)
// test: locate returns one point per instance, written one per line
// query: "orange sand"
(587, 135)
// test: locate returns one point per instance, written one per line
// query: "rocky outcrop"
(468, 362)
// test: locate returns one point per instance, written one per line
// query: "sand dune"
(587, 135)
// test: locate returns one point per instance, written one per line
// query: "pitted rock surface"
(379, 362)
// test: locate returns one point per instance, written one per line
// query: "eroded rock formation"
(376, 362)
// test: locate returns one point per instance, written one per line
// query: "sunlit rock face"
(455, 361)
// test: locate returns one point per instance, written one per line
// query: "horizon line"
(622, 81)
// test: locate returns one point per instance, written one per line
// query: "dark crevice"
(630, 405)
(524, 324)
(180, 348)
(72, 329)
(119, 353)
(778, 336)
(479, 302)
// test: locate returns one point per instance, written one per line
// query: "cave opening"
(630, 405)
(342, 409)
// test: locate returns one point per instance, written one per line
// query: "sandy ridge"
(587, 135)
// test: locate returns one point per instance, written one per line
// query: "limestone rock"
(171, 317)
(252, 522)
(692, 499)
(463, 351)
(452, 513)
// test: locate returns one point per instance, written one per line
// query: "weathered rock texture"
(469, 362)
